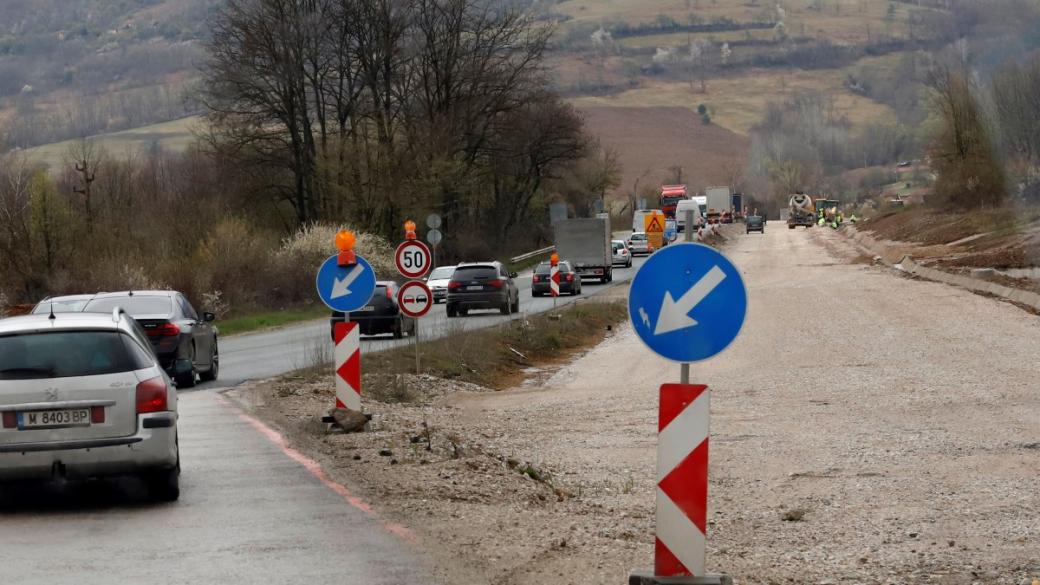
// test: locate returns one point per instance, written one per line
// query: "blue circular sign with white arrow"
(687, 302)
(345, 288)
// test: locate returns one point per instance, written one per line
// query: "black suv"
(755, 223)
(184, 342)
(380, 315)
(482, 285)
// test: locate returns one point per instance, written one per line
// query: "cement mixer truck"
(801, 211)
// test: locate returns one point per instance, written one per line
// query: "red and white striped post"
(682, 480)
(348, 366)
(682, 490)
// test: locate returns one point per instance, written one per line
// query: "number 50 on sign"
(412, 259)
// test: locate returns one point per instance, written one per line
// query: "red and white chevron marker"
(554, 280)
(682, 480)
(348, 366)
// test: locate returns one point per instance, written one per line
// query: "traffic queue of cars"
(88, 386)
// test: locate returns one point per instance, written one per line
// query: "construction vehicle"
(671, 195)
(585, 243)
(801, 211)
(827, 212)
(718, 201)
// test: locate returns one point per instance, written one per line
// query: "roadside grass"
(266, 320)
(930, 226)
(496, 357)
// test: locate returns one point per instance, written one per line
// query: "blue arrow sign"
(345, 289)
(687, 302)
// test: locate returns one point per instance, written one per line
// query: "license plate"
(474, 288)
(367, 308)
(36, 419)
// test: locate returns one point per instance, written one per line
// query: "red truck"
(670, 197)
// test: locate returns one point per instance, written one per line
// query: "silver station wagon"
(82, 395)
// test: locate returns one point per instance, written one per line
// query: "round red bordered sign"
(415, 299)
(412, 259)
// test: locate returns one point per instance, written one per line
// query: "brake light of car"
(97, 415)
(389, 294)
(570, 277)
(624, 252)
(10, 419)
(534, 278)
(497, 282)
(151, 396)
(165, 330)
(454, 284)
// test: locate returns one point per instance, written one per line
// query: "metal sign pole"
(684, 370)
(416, 334)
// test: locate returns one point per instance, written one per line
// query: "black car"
(482, 285)
(184, 342)
(380, 315)
(570, 282)
(755, 223)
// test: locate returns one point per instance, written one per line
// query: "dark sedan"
(184, 342)
(570, 283)
(381, 314)
(755, 223)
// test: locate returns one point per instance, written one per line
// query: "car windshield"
(136, 305)
(475, 273)
(66, 354)
(442, 273)
(638, 237)
(60, 306)
(542, 268)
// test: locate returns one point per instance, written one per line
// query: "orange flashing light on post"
(409, 230)
(345, 244)
(554, 259)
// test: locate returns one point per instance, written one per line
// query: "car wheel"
(187, 379)
(504, 308)
(464, 312)
(164, 485)
(516, 304)
(398, 330)
(451, 311)
(214, 367)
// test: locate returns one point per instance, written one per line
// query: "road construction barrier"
(682, 480)
(348, 366)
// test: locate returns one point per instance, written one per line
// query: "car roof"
(136, 293)
(61, 322)
(492, 264)
(80, 297)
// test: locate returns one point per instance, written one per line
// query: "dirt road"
(866, 428)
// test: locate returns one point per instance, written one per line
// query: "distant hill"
(71, 68)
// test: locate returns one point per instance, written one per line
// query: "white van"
(638, 218)
(680, 213)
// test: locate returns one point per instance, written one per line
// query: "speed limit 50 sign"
(412, 259)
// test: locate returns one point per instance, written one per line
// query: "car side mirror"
(209, 317)
(513, 275)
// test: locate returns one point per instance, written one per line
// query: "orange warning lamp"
(554, 259)
(345, 240)
(409, 230)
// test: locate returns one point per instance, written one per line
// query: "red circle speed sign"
(415, 299)
(412, 259)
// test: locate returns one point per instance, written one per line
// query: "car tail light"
(497, 283)
(454, 284)
(570, 277)
(151, 395)
(389, 294)
(165, 330)
(624, 252)
(97, 415)
(10, 420)
(534, 278)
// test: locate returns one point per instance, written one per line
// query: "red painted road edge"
(315, 469)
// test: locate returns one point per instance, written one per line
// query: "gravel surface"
(866, 428)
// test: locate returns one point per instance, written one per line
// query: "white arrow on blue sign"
(687, 302)
(345, 288)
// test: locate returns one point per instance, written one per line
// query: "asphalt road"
(248, 514)
(271, 353)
